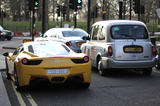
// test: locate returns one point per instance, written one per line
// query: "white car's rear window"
(74, 33)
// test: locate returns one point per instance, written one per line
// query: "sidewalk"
(4, 100)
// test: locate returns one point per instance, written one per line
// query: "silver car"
(72, 37)
(120, 44)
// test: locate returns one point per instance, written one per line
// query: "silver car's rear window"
(74, 33)
(129, 32)
(48, 49)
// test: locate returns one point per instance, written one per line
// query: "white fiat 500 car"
(72, 37)
(120, 44)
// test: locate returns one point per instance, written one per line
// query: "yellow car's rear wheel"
(7, 74)
(16, 83)
(85, 85)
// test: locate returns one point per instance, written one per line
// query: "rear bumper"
(41, 73)
(110, 63)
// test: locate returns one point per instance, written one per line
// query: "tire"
(16, 82)
(9, 38)
(7, 74)
(85, 85)
(157, 67)
(147, 71)
(2, 38)
(101, 70)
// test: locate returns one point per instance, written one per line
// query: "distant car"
(119, 44)
(73, 38)
(6, 33)
(2, 36)
(42, 60)
(158, 56)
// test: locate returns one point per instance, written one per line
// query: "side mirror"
(41, 35)
(86, 38)
(6, 54)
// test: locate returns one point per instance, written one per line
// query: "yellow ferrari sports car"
(53, 61)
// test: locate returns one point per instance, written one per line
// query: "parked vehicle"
(73, 38)
(42, 60)
(6, 33)
(2, 36)
(157, 66)
(120, 44)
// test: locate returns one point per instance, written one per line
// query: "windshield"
(48, 49)
(129, 32)
(74, 33)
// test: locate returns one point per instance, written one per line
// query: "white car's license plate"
(57, 71)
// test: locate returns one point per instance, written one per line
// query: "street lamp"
(120, 8)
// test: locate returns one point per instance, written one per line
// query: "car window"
(95, 32)
(129, 32)
(48, 49)
(74, 33)
(101, 34)
(18, 50)
(50, 33)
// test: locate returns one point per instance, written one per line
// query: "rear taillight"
(24, 61)
(110, 51)
(86, 59)
(68, 43)
(153, 50)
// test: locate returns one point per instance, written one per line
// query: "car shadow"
(122, 73)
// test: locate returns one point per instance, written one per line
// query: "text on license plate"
(57, 71)
(133, 49)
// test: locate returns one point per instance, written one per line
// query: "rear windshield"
(48, 49)
(129, 32)
(74, 33)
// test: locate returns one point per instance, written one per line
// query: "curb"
(25, 34)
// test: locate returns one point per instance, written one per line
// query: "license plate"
(79, 43)
(133, 49)
(57, 71)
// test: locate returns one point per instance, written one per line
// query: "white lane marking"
(20, 99)
(30, 99)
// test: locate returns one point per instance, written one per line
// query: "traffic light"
(142, 9)
(58, 10)
(96, 12)
(79, 4)
(36, 4)
(30, 5)
(136, 6)
(75, 4)
(64, 9)
(71, 4)
(33, 4)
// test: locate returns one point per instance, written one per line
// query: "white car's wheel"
(101, 70)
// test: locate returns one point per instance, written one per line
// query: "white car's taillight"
(68, 43)
(110, 51)
(153, 50)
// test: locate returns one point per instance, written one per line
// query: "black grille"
(34, 62)
(79, 61)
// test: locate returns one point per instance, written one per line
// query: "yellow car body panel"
(25, 72)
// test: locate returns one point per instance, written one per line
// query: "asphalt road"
(118, 88)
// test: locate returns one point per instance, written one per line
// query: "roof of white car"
(66, 29)
(119, 22)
